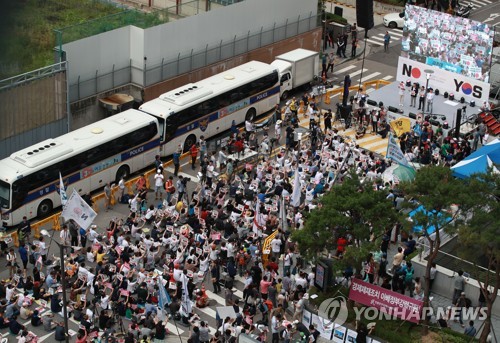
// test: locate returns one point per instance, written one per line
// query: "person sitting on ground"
(360, 132)
(14, 326)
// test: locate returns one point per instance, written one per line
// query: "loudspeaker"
(445, 95)
(364, 13)
(412, 115)
(347, 84)
(371, 102)
(462, 100)
(393, 109)
(472, 103)
(436, 92)
(452, 96)
(458, 121)
(345, 111)
(434, 122)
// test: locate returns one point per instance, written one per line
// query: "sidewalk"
(444, 300)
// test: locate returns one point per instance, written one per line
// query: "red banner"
(386, 301)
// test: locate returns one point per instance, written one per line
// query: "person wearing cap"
(158, 184)
(461, 304)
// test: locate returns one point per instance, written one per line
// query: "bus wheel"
(188, 143)
(122, 171)
(284, 96)
(44, 208)
(251, 114)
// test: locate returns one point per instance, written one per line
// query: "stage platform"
(444, 110)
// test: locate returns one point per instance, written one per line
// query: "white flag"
(296, 193)
(62, 191)
(394, 152)
(77, 209)
(256, 219)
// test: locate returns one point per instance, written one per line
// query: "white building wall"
(99, 53)
(131, 44)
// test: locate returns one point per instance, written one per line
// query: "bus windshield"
(4, 194)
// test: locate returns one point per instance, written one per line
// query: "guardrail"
(98, 200)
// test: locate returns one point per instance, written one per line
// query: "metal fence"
(152, 74)
(34, 107)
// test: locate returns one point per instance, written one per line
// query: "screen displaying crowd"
(456, 44)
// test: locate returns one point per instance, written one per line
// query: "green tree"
(352, 208)
(436, 190)
(480, 233)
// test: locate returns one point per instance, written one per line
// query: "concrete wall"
(127, 45)
(98, 53)
(443, 284)
(310, 40)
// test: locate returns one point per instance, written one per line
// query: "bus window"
(4, 194)
(161, 123)
(171, 125)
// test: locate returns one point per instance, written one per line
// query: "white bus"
(102, 152)
(87, 159)
(208, 107)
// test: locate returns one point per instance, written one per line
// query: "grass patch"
(335, 18)
(27, 28)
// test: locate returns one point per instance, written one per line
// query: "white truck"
(297, 68)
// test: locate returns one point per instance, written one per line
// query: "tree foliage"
(479, 237)
(437, 191)
(350, 208)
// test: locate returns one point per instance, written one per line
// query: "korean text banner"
(393, 303)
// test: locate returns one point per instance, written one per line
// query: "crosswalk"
(378, 40)
(356, 74)
(369, 141)
(478, 3)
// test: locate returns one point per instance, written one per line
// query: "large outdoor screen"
(456, 44)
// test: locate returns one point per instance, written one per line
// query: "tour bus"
(208, 107)
(87, 159)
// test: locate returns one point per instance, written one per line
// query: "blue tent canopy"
(431, 229)
(479, 161)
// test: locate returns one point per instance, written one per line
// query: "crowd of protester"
(184, 239)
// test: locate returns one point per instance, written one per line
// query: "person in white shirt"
(93, 233)
(222, 158)
(276, 247)
(105, 302)
(65, 236)
(158, 184)
(230, 249)
(210, 173)
(430, 100)
(134, 204)
(121, 186)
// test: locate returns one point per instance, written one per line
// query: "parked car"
(394, 20)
